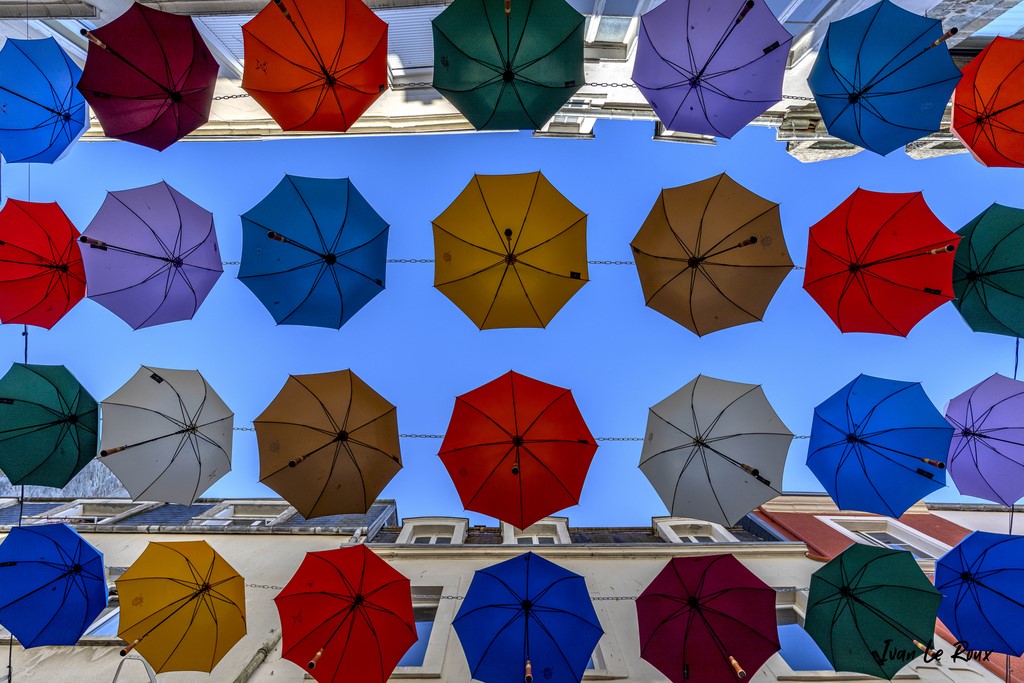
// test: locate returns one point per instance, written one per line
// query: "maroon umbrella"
(149, 77)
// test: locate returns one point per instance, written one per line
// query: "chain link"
(231, 263)
(265, 586)
(619, 438)
(421, 436)
(244, 429)
(612, 263)
(410, 260)
(232, 97)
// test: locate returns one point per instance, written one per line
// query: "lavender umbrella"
(153, 255)
(986, 457)
(710, 66)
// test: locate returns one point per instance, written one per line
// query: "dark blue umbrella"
(879, 445)
(313, 251)
(527, 618)
(982, 586)
(52, 585)
(41, 111)
(883, 77)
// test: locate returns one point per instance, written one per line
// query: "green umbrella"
(48, 425)
(871, 610)
(508, 65)
(988, 272)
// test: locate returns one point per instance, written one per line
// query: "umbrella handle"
(110, 451)
(934, 463)
(740, 673)
(131, 646)
(316, 658)
(280, 6)
(949, 248)
(508, 12)
(94, 243)
(945, 36)
(743, 12)
(93, 39)
(924, 648)
(529, 668)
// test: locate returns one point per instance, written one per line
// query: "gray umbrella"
(715, 450)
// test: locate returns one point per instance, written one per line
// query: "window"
(798, 650)
(548, 531)
(245, 514)
(535, 540)
(691, 531)
(90, 512)
(888, 533)
(106, 625)
(433, 531)
(425, 659)
(424, 611)
(884, 538)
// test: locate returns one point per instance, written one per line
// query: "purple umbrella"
(710, 66)
(986, 457)
(153, 255)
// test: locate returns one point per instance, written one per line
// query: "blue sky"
(419, 351)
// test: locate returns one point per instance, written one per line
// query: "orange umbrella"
(988, 104)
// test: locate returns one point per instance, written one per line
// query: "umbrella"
(988, 272)
(313, 251)
(710, 66)
(149, 77)
(314, 64)
(983, 595)
(328, 444)
(987, 113)
(527, 615)
(871, 610)
(52, 585)
(153, 255)
(182, 606)
(41, 272)
(879, 445)
(986, 456)
(517, 449)
(346, 615)
(41, 112)
(707, 619)
(883, 76)
(510, 69)
(880, 262)
(48, 425)
(711, 254)
(715, 450)
(166, 435)
(510, 251)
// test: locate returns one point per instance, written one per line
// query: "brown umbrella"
(711, 254)
(328, 444)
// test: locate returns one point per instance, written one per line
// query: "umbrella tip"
(740, 673)
(529, 672)
(316, 658)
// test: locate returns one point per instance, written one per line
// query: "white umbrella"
(166, 435)
(715, 450)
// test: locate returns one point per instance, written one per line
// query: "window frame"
(64, 513)
(556, 528)
(857, 528)
(454, 528)
(440, 633)
(668, 528)
(216, 514)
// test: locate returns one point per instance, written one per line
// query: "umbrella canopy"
(41, 112)
(511, 69)
(48, 425)
(153, 255)
(52, 585)
(715, 450)
(510, 251)
(986, 456)
(149, 77)
(880, 262)
(879, 445)
(315, 64)
(707, 619)
(182, 606)
(883, 76)
(41, 272)
(328, 444)
(987, 113)
(517, 449)
(711, 254)
(346, 615)
(988, 272)
(871, 610)
(166, 435)
(527, 617)
(983, 592)
(313, 251)
(710, 66)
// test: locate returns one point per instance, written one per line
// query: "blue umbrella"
(879, 445)
(313, 251)
(883, 77)
(52, 585)
(525, 618)
(982, 584)
(41, 110)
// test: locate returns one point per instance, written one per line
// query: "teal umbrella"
(48, 425)
(988, 272)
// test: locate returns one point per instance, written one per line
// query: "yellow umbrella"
(182, 606)
(510, 251)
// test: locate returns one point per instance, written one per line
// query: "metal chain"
(619, 438)
(232, 97)
(244, 429)
(231, 263)
(428, 84)
(265, 586)
(421, 436)
(612, 263)
(410, 260)
(802, 436)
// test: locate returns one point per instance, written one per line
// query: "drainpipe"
(258, 658)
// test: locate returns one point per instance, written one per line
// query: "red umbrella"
(41, 272)
(707, 619)
(149, 77)
(880, 262)
(988, 104)
(315, 64)
(346, 615)
(517, 449)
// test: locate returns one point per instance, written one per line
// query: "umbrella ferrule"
(93, 39)
(529, 667)
(948, 249)
(276, 236)
(110, 451)
(508, 12)
(746, 9)
(924, 648)
(316, 658)
(284, 10)
(130, 646)
(94, 243)
(934, 463)
(740, 672)
(945, 36)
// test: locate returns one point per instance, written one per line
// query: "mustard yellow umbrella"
(510, 251)
(182, 606)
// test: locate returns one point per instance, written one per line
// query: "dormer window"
(90, 512)
(548, 531)
(433, 531)
(245, 514)
(691, 531)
